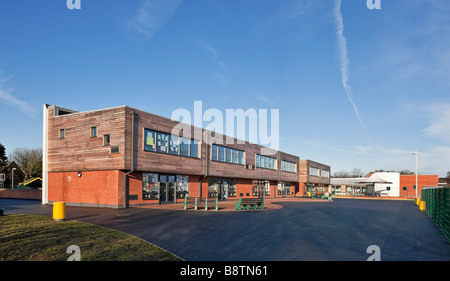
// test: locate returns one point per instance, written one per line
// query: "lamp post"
(12, 178)
(415, 154)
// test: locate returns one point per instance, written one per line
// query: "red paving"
(269, 204)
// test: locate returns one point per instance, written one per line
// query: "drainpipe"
(206, 140)
(125, 185)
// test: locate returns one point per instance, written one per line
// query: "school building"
(119, 157)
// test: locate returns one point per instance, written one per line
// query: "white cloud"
(151, 16)
(7, 98)
(439, 128)
(222, 75)
(343, 58)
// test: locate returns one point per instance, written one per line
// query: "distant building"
(7, 173)
(387, 184)
(314, 177)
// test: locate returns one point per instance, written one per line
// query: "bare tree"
(356, 173)
(341, 174)
(29, 160)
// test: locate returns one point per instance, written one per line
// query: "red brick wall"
(409, 181)
(99, 188)
(21, 194)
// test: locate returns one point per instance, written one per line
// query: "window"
(162, 142)
(93, 132)
(266, 162)
(171, 144)
(313, 171)
(174, 145)
(221, 154)
(182, 187)
(226, 154)
(115, 149)
(184, 147)
(214, 151)
(194, 149)
(241, 157)
(149, 140)
(405, 188)
(325, 174)
(106, 139)
(150, 186)
(62, 133)
(288, 166)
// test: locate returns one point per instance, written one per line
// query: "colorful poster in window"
(149, 144)
(162, 142)
(174, 145)
(182, 186)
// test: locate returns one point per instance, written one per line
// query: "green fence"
(437, 206)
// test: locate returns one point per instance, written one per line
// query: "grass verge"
(39, 238)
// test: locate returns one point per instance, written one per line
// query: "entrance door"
(167, 189)
(223, 190)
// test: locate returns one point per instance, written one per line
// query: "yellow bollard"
(59, 211)
(417, 201)
(422, 206)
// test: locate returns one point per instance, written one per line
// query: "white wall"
(394, 187)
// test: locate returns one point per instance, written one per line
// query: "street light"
(12, 178)
(415, 154)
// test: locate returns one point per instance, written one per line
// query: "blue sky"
(355, 88)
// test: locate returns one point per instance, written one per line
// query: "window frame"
(267, 162)
(106, 139)
(93, 132)
(228, 155)
(185, 147)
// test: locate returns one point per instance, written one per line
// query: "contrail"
(343, 57)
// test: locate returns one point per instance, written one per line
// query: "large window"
(325, 174)
(288, 166)
(182, 187)
(266, 162)
(171, 144)
(226, 154)
(150, 186)
(313, 171)
(221, 188)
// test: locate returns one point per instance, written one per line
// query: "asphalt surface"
(341, 230)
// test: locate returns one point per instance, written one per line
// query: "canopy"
(373, 179)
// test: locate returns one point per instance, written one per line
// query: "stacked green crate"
(446, 213)
(437, 206)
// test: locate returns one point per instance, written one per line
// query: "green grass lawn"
(39, 238)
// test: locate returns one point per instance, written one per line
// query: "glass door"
(166, 189)
(223, 195)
